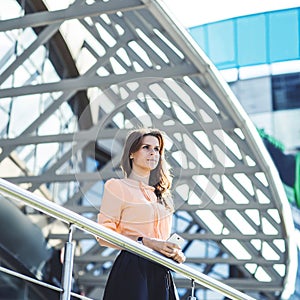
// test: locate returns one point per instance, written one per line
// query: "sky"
(196, 12)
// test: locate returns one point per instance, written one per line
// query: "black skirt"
(135, 278)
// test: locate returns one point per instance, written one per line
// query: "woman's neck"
(139, 177)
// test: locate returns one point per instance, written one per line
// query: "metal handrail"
(39, 282)
(68, 216)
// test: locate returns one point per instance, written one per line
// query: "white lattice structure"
(120, 64)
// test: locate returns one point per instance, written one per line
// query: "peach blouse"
(131, 208)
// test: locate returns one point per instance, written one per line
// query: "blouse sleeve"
(111, 208)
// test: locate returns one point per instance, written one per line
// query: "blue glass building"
(259, 56)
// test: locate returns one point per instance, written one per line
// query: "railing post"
(192, 297)
(67, 270)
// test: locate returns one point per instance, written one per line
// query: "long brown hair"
(160, 177)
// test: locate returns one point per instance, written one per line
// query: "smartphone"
(176, 239)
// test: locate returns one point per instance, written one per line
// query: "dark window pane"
(286, 91)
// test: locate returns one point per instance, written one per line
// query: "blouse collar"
(139, 184)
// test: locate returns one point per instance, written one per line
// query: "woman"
(140, 207)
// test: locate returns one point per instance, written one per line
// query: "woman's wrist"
(146, 241)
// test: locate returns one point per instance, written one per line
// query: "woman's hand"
(166, 248)
(179, 256)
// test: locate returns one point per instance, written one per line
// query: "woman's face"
(147, 157)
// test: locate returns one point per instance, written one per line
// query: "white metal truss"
(122, 64)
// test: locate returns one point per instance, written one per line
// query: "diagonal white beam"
(48, 112)
(44, 36)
